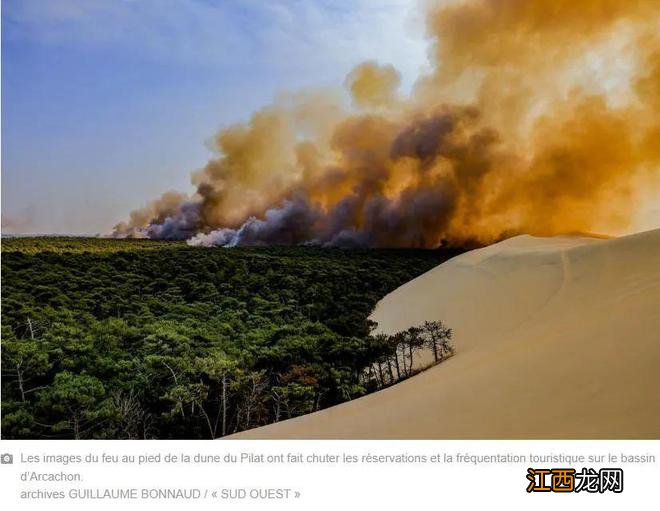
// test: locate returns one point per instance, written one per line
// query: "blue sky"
(108, 103)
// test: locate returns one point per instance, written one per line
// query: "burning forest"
(537, 117)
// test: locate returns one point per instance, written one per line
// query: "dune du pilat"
(498, 219)
(537, 117)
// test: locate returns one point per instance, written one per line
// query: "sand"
(555, 338)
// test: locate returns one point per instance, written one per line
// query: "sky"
(108, 103)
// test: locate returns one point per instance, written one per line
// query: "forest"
(136, 339)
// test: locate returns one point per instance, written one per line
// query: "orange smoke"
(539, 116)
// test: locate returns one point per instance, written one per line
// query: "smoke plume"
(539, 117)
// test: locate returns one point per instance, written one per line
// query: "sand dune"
(555, 338)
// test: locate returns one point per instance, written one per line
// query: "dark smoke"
(506, 135)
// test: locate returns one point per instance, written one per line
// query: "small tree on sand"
(438, 337)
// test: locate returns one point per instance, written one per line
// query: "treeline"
(195, 343)
(60, 244)
(399, 351)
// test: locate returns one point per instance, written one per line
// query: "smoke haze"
(539, 117)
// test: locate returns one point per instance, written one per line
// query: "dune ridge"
(555, 338)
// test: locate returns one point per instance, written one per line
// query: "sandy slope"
(555, 338)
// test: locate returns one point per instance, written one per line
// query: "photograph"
(330, 220)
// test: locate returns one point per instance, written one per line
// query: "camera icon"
(6, 459)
